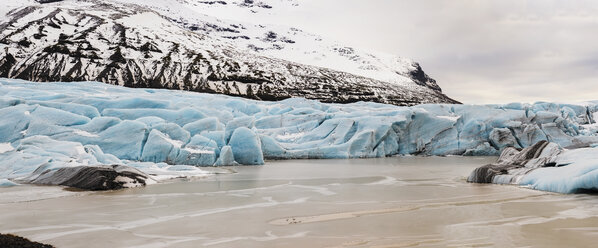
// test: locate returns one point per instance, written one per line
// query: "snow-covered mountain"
(200, 46)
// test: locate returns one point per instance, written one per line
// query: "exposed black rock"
(514, 163)
(420, 77)
(109, 177)
(213, 2)
(13, 241)
(47, 1)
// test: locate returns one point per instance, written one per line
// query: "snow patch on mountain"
(243, 24)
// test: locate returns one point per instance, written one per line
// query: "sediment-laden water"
(390, 202)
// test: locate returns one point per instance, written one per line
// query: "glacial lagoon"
(387, 202)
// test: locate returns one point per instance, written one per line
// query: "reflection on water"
(391, 202)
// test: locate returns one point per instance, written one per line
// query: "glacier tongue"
(574, 171)
(55, 125)
(543, 166)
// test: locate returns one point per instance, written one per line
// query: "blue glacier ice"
(576, 170)
(52, 125)
(7, 183)
(246, 147)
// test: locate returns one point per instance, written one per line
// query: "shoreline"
(14, 241)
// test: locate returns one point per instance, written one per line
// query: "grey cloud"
(479, 51)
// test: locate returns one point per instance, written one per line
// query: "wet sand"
(390, 202)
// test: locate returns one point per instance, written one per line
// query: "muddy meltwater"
(390, 202)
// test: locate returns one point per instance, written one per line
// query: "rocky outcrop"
(109, 177)
(47, 1)
(13, 241)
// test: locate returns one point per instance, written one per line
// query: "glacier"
(574, 171)
(170, 133)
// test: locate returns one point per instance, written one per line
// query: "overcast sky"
(478, 51)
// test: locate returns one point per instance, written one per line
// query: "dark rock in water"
(13, 241)
(514, 163)
(109, 177)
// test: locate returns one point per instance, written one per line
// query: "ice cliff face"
(55, 125)
(185, 45)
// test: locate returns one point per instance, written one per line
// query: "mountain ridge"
(135, 46)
